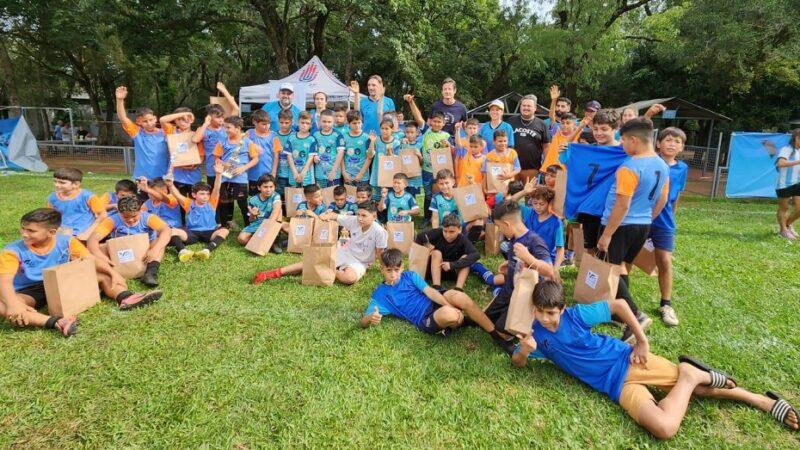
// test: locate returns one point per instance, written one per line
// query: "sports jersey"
(355, 153)
(444, 206)
(788, 176)
(210, 139)
(319, 209)
(551, 230)
(551, 157)
(414, 182)
(487, 133)
(283, 162)
(169, 211)
(342, 129)
(265, 208)
(538, 249)
(186, 175)
(362, 244)
(507, 157)
(328, 148)
(643, 178)
(237, 154)
(405, 299)
(469, 169)
(200, 217)
(150, 152)
(432, 140)
(349, 208)
(27, 264)
(115, 227)
(301, 150)
(269, 146)
(394, 204)
(381, 148)
(370, 113)
(677, 184)
(591, 169)
(78, 212)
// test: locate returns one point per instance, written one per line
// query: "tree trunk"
(319, 34)
(7, 70)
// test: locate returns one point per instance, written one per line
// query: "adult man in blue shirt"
(284, 102)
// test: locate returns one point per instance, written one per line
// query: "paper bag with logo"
(520, 308)
(471, 202)
(300, 232)
(561, 193)
(418, 257)
(222, 101)
(327, 195)
(71, 288)
(261, 241)
(401, 235)
(351, 193)
(577, 244)
(597, 280)
(319, 265)
(493, 183)
(293, 196)
(646, 259)
(182, 151)
(325, 232)
(493, 238)
(127, 254)
(409, 163)
(388, 166)
(441, 158)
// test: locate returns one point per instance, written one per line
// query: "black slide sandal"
(781, 409)
(719, 380)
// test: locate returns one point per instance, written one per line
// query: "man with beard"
(284, 102)
(531, 138)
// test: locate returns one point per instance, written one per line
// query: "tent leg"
(715, 181)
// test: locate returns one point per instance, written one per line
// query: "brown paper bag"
(388, 167)
(327, 195)
(262, 240)
(222, 101)
(519, 318)
(351, 193)
(300, 234)
(471, 202)
(293, 197)
(646, 259)
(597, 280)
(127, 254)
(182, 151)
(409, 163)
(561, 193)
(493, 238)
(71, 288)
(418, 257)
(325, 232)
(441, 159)
(577, 242)
(319, 265)
(401, 235)
(493, 184)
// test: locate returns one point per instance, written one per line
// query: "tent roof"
(795, 121)
(511, 101)
(685, 109)
(313, 76)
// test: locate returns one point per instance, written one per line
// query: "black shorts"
(198, 236)
(788, 191)
(498, 310)
(428, 324)
(232, 191)
(35, 291)
(626, 243)
(591, 229)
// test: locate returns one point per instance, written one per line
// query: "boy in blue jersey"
(443, 203)
(201, 224)
(80, 209)
(210, 133)
(411, 140)
(151, 155)
(330, 151)
(406, 295)
(22, 263)
(340, 120)
(285, 120)
(269, 144)
(662, 231)
(356, 145)
(340, 204)
(624, 373)
(301, 149)
(122, 188)
(540, 219)
(383, 145)
(180, 121)
(398, 204)
(237, 154)
(131, 220)
(266, 205)
(161, 202)
(639, 193)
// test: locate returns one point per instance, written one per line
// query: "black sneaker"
(506, 345)
(276, 249)
(150, 279)
(627, 334)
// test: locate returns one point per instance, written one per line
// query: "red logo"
(309, 73)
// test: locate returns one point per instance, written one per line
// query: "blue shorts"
(283, 183)
(428, 324)
(662, 238)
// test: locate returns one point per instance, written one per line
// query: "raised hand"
(354, 87)
(121, 93)
(409, 98)
(554, 92)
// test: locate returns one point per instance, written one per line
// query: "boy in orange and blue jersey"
(80, 209)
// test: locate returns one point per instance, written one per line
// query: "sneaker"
(266, 275)
(508, 346)
(668, 315)
(233, 226)
(185, 255)
(150, 279)
(567, 262)
(627, 334)
(276, 249)
(139, 300)
(68, 326)
(203, 254)
(787, 235)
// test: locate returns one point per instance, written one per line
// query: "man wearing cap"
(589, 111)
(531, 137)
(454, 111)
(495, 123)
(284, 101)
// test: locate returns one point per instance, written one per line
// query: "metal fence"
(87, 156)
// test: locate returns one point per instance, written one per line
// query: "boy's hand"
(526, 343)
(459, 125)
(346, 177)
(221, 87)
(655, 109)
(121, 93)
(409, 98)
(446, 266)
(554, 92)
(372, 136)
(357, 179)
(218, 168)
(298, 179)
(522, 252)
(531, 185)
(316, 159)
(562, 147)
(253, 211)
(237, 171)
(168, 182)
(402, 213)
(603, 243)
(384, 192)
(375, 317)
(354, 87)
(445, 143)
(640, 352)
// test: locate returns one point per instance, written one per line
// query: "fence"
(704, 161)
(87, 156)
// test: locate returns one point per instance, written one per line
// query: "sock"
(483, 272)
(569, 254)
(51, 322)
(458, 289)
(176, 242)
(122, 296)
(623, 293)
(666, 302)
(496, 291)
(438, 287)
(214, 243)
(152, 267)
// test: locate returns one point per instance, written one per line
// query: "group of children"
(252, 169)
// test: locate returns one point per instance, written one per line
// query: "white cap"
(497, 103)
(287, 87)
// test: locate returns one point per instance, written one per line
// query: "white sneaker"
(668, 316)
(185, 255)
(203, 254)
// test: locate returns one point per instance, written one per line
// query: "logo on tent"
(309, 73)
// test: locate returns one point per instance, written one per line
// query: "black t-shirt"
(452, 252)
(456, 112)
(529, 139)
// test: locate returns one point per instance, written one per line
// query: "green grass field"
(221, 363)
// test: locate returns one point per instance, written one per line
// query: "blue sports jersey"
(201, 217)
(189, 175)
(151, 155)
(348, 209)
(414, 182)
(283, 163)
(487, 133)
(538, 249)
(653, 175)
(342, 129)
(551, 230)
(355, 153)
(591, 169)
(75, 212)
(31, 264)
(210, 139)
(677, 184)
(381, 148)
(319, 209)
(267, 156)
(301, 149)
(265, 208)
(369, 112)
(237, 154)
(274, 108)
(123, 229)
(395, 204)
(444, 206)
(170, 215)
(406, 299)
(328, 148)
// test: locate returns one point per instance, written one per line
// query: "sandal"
(68, 326)
(719, 380)
(781, 409)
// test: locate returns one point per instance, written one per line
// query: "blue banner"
(751, 167)
(590, 174)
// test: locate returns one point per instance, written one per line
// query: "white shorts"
(346, 259)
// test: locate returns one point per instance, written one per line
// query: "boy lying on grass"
(624, 373)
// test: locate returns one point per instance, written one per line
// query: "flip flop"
(719, 380)
(781, 409)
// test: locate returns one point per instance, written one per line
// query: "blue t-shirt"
(236, 154)
(538, 249)
(349, 208)
(328, 148)
(303, 206)
(342, 129)
(123, 229)
(200, 217)
(381, 148)
(283, 162)
(551, 230)
(210, 139)
(444, 206)
(151, 155)
(267, 156)
(405, 299)
(598, 360)
(355, 153)
(677, 184)
(301, 149)
(75, 212)
(172, 216)
(369, 112)
(31, 264)
(487, 133)
(653, 175)
(395, 204)
(591, 173)
(273, 108)
(265, 208)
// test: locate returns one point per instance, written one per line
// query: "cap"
(287, 87)
(594, 104)
(497, 103)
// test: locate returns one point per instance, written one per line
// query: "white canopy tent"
(311, 78)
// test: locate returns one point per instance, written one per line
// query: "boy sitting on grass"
(264, 205)
(452, 253)
(624, 373)
(404, 294)
(80, 209)
(160, 202)
(367, 240)
(22, 263)
(123, 188)
(340, 204)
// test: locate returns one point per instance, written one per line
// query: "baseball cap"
(287, 87)
(497, 103)
(594, 104)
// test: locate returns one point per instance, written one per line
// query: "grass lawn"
(221, 363)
